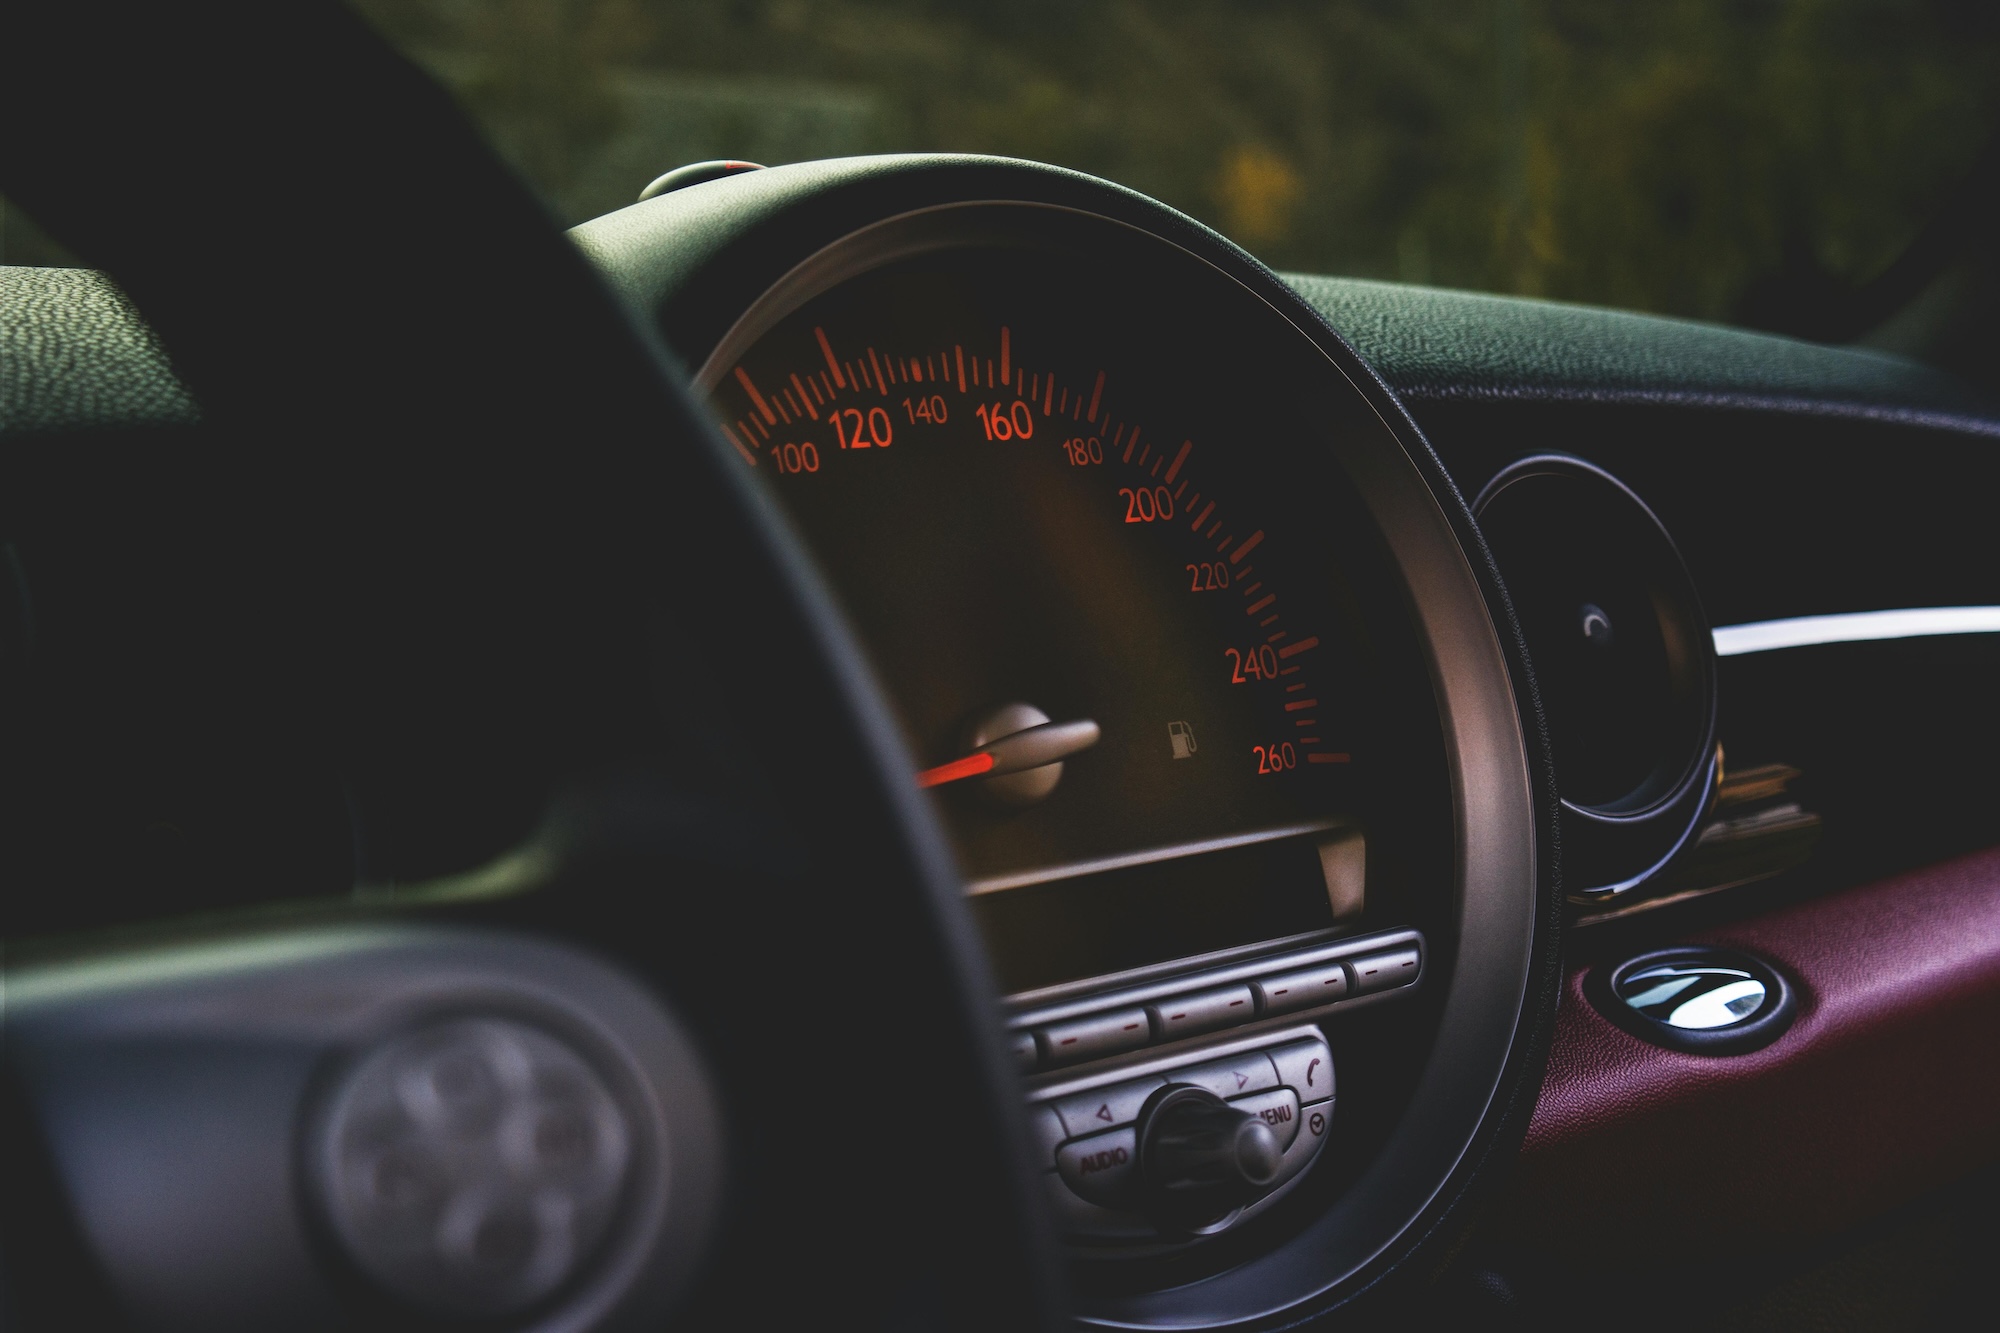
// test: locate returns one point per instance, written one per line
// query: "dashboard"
(1329, 701)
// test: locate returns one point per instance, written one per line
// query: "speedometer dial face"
(1039, 507)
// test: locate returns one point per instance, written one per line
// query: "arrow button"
(1096, 1109)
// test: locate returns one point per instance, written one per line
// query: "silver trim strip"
(1766, 636)
(1073, 869)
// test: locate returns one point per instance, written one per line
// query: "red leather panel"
(1886, 1086)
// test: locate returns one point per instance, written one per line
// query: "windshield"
(1723, 159)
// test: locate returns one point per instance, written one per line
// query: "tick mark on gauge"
(826, 350)
(1175, 468)
(958, 355)
(1306, 644)
(1328, 758)
(1249, 545)
(748, 457)
(1267, 622)
(757, 399)
(1096, 394)
(805, 397)
(1299, 705)
(1260, 604)
(1202, 517)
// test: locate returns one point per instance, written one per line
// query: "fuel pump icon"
(1181, 736)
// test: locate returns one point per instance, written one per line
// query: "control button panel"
(1284, 1078)
(1072, 1025)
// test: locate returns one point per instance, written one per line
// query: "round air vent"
(1624, 658)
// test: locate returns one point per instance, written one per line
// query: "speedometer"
(1120, 652)
(1195, 658)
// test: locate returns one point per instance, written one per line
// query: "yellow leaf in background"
(1258, 191)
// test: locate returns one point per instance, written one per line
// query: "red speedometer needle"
(1050, 743)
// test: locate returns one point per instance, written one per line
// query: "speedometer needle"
(1049, 743)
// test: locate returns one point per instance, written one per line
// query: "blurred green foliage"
(1694, 157)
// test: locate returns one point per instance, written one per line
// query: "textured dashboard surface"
(1432, 344)
(74, 355)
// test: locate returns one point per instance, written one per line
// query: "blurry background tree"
(1748, 160)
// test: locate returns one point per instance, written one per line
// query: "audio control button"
(1102, 1108)
(1047, 1130)
(1021, 1045)
(1302, 989)
(1103, 1168)
(1314, 1121)
(1278, 1108)
(1249, 1072)
(1098, 1034)
(1381, 971)
(1306, 1066)
(1202, 1011)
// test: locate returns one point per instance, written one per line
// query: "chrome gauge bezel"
(1498, 887)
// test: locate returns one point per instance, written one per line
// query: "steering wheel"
(495, 535)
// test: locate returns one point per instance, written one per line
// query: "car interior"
(920, 739)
